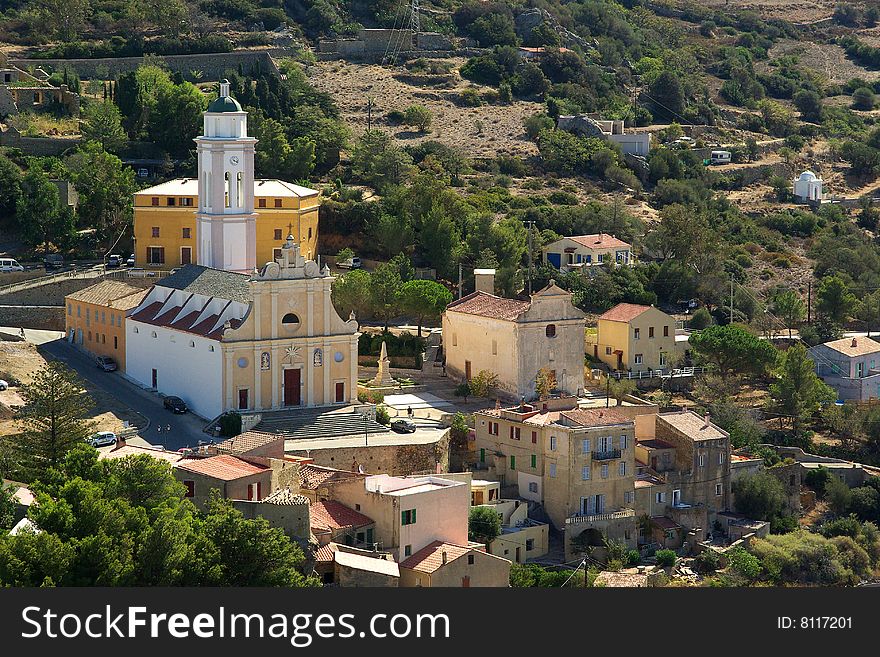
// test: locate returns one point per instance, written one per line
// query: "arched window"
(239, 193)
(550, 330)
(290, 319)
(226, 188)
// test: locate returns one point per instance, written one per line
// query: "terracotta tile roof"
(600, 241)
(624, 312)
(692, 425)
(223, 466)
(332, 515)
(286, 497)
(664, 523)
(430, 557)
(249, 441)
(325, 553)
(112, 294)
(313, 477)
(488, 305)
(589, 417)
(854, 346)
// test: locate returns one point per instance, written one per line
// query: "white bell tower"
(226, 227)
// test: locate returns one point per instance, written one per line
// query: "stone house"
(334, 522)
(521, 538)
(441, 564)
(571, 253)
(684, 467)
(20, 91)
(515, 339)
(851, 366)
(284, 509)
(633, 338)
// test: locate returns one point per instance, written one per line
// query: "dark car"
(114, 261)
(53, 261)
(175, 405)
(106, 363)
(403, 426)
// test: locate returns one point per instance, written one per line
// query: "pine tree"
(53, 419)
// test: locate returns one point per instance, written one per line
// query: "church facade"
(241, 222)
(225, 341)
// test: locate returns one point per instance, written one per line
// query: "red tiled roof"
(325, 553)
(331, 515)
(313, 476)
(599, 241)
(430, 557)
(223, 466)
(624, 312)
(664, 523)
(488, 305)
(589, 417)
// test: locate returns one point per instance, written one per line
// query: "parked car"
(4, 385)
(130, 261)
(175, 404)
(140, 272)
(106, 363)
(114, 261)
(53, 261)
(9, 265)
(103, 438)
(403, 426)
(351, 263)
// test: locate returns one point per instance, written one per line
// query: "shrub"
(633, 558)
(666, 558)
(818, 480)
(701, 319)
(707, 561)
(230, 424)
(418, 116)
(382, 416)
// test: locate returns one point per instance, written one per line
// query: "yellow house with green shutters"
(634, 338)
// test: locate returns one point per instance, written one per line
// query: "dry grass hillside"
(485, 131)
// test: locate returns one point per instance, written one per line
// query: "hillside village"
(461, 295)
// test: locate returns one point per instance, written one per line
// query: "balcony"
(607, 455)
(578, 519)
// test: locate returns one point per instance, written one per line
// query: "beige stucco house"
(633, 338)
(515, 339)
(442, 564)
(587, 251)
(409, 512)
(578, 463)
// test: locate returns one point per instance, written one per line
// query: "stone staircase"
(313, 424)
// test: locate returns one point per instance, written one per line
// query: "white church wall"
(185, 365)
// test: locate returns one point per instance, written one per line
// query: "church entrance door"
(291, 387)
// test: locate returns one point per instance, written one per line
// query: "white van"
(8, 265)
(719, 157)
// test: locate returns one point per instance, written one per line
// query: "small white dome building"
(808, 188)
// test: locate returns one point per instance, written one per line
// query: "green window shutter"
(534, 461)
(483, 453)
(513, 463)
(403, 517)
(413, 516)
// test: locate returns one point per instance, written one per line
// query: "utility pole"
(607, 389)
(731, 298)
(369, 114)
(531, 225)
(809, 300)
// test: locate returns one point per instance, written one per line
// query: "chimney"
(706, 421)
(484, 280)
(855, 343)
(120, 442)
(445, 557)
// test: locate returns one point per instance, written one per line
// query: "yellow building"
(634, 338)
(165, 221)
(95, 318)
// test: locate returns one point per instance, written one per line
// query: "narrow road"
(186, 430)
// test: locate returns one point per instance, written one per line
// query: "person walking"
(168, 428)
(409, 412)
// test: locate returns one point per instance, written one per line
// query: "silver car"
(103, 438)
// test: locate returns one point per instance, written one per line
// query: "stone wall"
(397, 460)
(212, 65)
(49, 319)
(52, 294)
(12, 138)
